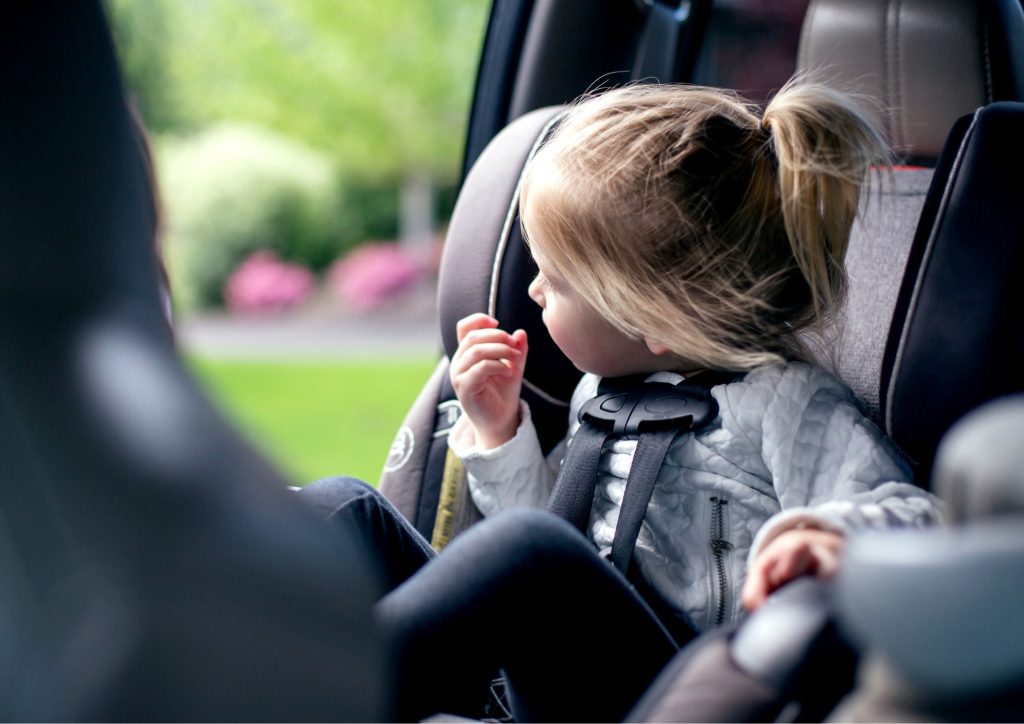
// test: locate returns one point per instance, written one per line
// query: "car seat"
(153, 565)
(885, 51)
(930, 330)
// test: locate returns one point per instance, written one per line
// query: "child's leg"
(525, 592)
(365, 513)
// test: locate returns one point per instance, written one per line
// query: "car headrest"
(924, 63)
(486, 267)
(956, 340)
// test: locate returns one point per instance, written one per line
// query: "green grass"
(321, 418)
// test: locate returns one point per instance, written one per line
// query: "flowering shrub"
(373, 274)
(263, 283)
(233, 190)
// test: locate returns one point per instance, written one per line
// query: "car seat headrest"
(924, 63)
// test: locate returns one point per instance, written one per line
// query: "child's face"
(590, 342)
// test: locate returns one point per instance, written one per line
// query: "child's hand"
(794, 553)
(487, 373)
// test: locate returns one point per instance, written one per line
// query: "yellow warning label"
(447, 507)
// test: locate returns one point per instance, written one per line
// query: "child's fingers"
(471, 355)
(479, 336)
(521, 343)
(756, 588)
(474, 321)
(476, 377)
(790, 564)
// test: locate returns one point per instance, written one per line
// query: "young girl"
(676, 229)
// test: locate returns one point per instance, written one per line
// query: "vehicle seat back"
(921, 65)
(153, 565)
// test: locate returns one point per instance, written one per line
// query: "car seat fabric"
(880, 243)
(153, 565)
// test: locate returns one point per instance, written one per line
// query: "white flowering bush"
(232, 190)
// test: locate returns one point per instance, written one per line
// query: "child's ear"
(656, 347)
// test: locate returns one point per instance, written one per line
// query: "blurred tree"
(381, 85)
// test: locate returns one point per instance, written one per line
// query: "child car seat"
(918, 337)
(875, 48)
(153, 566)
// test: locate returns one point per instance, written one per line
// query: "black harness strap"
(643, 474)
(655, 412)
(573, 496)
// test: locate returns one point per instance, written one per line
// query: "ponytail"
(685, 215)
(825, 147)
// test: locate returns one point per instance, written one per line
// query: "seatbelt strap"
(643, 473)
(655, 412)
(573, 496)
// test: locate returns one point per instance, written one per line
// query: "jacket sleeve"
(831, 467)
(515, 475)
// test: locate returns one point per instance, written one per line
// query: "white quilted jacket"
(789, 447)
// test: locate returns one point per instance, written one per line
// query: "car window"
(751, 45)
(308, 155)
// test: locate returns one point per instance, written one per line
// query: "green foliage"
(367, 209)
(317, 419)
(144, 46)
(233, 190)
(380, 85)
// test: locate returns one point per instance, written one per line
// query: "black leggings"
(524, 592)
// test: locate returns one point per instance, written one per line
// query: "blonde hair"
(683, 214)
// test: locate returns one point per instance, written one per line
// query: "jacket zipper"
(720, 545)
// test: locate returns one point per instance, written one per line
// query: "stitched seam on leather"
(922, 270)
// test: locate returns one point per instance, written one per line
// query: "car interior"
(155, 564)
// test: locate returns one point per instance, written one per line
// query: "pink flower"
(265, 284)
(372, 274)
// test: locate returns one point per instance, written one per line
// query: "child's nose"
(536, 291)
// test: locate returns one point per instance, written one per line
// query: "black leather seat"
(153, 565)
